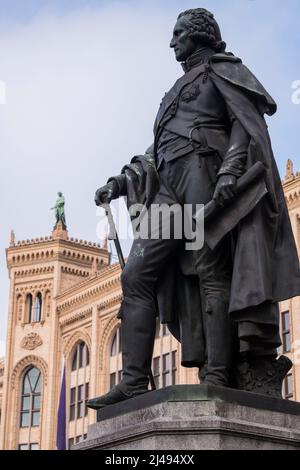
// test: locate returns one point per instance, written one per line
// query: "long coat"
(265, 265)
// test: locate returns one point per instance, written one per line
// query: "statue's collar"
(201, 56)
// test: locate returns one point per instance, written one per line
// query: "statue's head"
(59, 194)
(194, 29)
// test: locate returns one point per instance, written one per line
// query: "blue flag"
(61, 418)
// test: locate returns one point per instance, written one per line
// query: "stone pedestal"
(197, 417)
(60, 231)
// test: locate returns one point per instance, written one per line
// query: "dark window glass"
(26, 385)
(87, 386)
(120, 375)
(80, 406)
(73, 395)
(23, 447)
(156, 366)
(286, 331)
(81, 356)
(25, 419)
(72, 412)
(288, 385)
(26, 403)
(166, 370)
(72, 403)
(34, 446)
(113, 349)
(70, 442)
(37, 402)
(174, 367)
(156, 371)
(112, 380)
(35, 418)
(37, 308)
(74, 362)
(29, 313)
(116, 345)
(78, 398)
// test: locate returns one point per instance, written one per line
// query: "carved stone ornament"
(31, 341)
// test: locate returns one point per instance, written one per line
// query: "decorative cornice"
(74, 272)
(74, 317)
(32, 287)
(34, 241)
(112, 301)
(86, 295)
(109, 328)
(293, 197)
(74, 339)
(35, 271)
(31, 341)
(81, 253)
(26, 362)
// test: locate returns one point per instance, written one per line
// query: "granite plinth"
(197, 417)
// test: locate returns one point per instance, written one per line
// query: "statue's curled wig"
(204, 28)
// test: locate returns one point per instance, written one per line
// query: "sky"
(83, 80)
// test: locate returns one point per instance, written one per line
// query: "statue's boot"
(220, 337)
(263, 374)
(138, 335)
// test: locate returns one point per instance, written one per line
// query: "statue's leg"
(194, 178)
(214, 271)
(138, 312)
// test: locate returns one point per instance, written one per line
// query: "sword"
(113, 235)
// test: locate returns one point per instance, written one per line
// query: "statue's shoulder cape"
(230, 68)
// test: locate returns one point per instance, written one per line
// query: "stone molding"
(31, 288)
(109, 328)
(25, 362)
(111, 302)
(74, 272)
(71, 318)
(292, 197)
(35, 271)
(75, 338)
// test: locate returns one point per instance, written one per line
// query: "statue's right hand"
(108, 192)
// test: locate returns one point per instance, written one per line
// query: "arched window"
(81, 356)
(31, 399)
(116, 344)
(28, 308)
(37, 313)
(115, 359)
(79, 393)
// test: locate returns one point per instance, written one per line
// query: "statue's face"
(181, 41)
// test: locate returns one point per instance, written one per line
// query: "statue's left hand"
(226, 189)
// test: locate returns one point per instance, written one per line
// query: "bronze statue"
(220, 301)
(60, 210)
